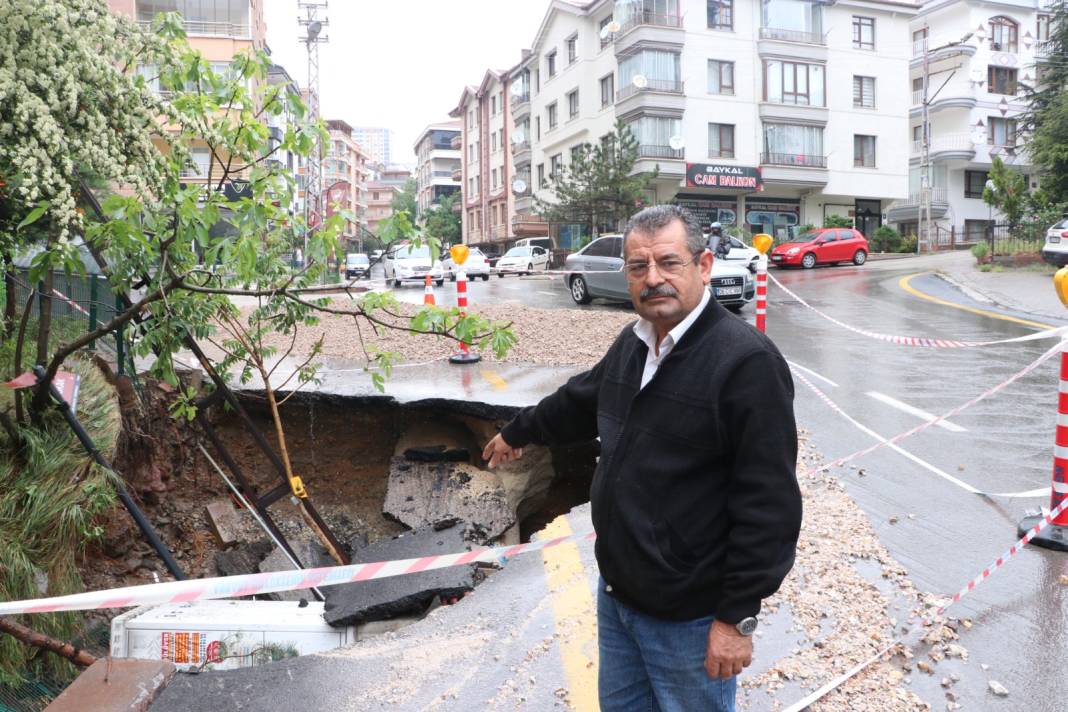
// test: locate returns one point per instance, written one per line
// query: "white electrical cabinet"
(222, 635)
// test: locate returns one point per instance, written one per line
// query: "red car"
(828, 245)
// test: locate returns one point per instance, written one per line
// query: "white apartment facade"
(377, 143)
(761, 114)
(285, 161)
(980, 58)
(345, 174)
(438, 171)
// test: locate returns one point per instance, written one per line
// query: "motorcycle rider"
(718, 243)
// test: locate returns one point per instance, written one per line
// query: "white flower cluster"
(69, 106)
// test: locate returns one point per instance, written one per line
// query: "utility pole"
(313, 178)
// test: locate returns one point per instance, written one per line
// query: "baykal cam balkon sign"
(712, 175)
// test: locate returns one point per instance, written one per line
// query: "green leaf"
(34, 215)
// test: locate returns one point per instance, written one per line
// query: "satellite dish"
(519, 137)
(978, 75)
(978, 136)
(519, 185)
(613, 26)
(517, 89)
(605, 32)
(676, 143)
(640, 81)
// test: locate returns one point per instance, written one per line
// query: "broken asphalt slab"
(379, 599)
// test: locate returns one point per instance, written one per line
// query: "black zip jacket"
(695, 499)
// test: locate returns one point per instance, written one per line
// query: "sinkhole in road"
(350, 450)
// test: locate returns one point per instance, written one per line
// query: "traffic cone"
(428, 293)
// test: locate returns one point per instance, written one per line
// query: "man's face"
(666, 299)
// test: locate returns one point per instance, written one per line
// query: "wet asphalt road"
(944, 535)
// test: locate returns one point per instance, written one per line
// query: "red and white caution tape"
(968, 588)
(892, 442)
(252, 584)
(920, 340)
(70, 301)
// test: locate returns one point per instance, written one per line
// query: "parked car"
(407, 262)
(523, 260)
(476, 265)
(596, 272)
(357, 264)
(544, 242)
(822, 246)
(1055, 251)
(376, 255)
(738, 251)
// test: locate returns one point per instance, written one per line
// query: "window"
(1001, 80)
(864, 151)
(863, 32)
(794, 83)
(864, 92)
(919, 40)
(572, 104)
(550, 110)
(659, 67)
(794, 144)
(493, 105)
(608, 90)
(541, 175)
(550, 60)
(537, 126)
(720, 77)
(974, 183)
(794, 20)
(720, 14)
(572, 49)
(721, 140)
(374, 195)
(471, 119)
(1042, 28)
(976, 230)
(493, 178)
(654, 135)
(917, 133)
(605, 37)
(576, 152)
(1003, 34)
(1001, 132)
(201, 163)
(493, 142)
(555, 164)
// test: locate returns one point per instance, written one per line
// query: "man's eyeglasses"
(669, 267)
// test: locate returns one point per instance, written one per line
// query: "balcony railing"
(938, 196)
(653, 151)
(520, 98)
(520, 146)
(778, 33)
(800, 160)
(213, 29)
(645, 17)
(663, 86)
(949, 142)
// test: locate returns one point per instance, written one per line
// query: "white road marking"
(912, 410)
(513, 287)
(810, 372)
(551, 294)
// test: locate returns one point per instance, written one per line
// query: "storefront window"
(779, 218)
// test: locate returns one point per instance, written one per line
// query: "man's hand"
(728, 651)
(498, 452)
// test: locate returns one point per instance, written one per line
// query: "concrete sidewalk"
(1020, 291)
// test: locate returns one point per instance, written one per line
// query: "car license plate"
(776, 258)
(728, 291)
(1054, 238)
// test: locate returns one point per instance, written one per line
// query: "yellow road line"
(904, 284)
(576, 617)
(495, 379)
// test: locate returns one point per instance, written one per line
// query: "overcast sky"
(403, 63)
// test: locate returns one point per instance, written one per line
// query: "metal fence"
(1025, 238)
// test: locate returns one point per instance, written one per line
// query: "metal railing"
(653, 151)
(1043, 48)
(793, 159)
(645, 17)
(520, 98)
(662, 86)
(939, 196)
(520, 146)
(779, 33)
(949, 142)
(212, 29)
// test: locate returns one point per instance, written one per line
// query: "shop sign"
(715, 175)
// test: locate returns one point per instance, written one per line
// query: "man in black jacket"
(695, 500)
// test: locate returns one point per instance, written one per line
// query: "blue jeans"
(653, 665)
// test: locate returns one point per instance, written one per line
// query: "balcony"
(796, 160)
(909, 209)
(457, 142)
(938, 50)
(666, 152)
(661, 86)
(954, 95)
(520, 106)
(644, 27)
(527, 225)
(657, 94)
(457, 174)
(1043, 49)
(521, 153)
(783, 35)
(947, 147)
(210, 29)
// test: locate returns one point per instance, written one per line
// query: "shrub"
(837, 221)
(980, 250)
(886, 239)
(908, 245)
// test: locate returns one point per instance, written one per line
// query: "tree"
(837, 221)
(441, 223)
(407, 199)
(1008, 193)
(599, 186)
(1045, 122)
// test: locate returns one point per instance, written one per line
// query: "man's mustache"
(662, 290)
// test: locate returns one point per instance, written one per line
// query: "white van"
(408, 263)
(544, 242)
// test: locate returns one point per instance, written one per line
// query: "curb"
(978, 295)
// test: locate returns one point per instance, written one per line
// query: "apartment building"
(981, 56)
(438, 173)
(346, 170)
(376, 141)
(285, 161)
(488, 170)
(761, 114)
(380, 197)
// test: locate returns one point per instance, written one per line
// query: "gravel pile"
(551, 337)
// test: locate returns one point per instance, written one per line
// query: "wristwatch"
(747, 626)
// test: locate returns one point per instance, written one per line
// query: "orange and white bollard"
(428, 294)
(465, 355)
(762, 243)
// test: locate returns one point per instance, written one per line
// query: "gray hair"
(656, 218)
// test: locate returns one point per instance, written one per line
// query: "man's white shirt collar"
(647, 332)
